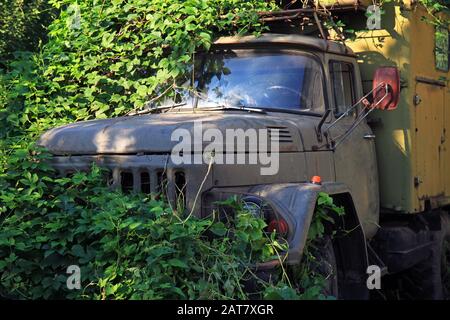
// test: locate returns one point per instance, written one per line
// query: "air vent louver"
(283, 133)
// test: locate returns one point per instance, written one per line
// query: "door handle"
(369, 136)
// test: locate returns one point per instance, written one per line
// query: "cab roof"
(290, 40)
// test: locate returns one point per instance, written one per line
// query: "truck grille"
(143, 180)
(126, 181)
(156, 182)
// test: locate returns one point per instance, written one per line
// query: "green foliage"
(324, 211)
(127, 246)
(22, 25)
(434, 8)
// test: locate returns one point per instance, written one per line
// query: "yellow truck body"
(413, 141)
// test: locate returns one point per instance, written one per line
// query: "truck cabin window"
(342, 79)
(259, 79)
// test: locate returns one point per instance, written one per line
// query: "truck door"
(355, 157)
(430, 138)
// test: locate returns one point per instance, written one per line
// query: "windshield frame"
(279, 49)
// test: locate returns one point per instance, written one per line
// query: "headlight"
(254, 206)
(260, 209)
(219, 202)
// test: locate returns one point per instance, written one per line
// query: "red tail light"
(279, 225)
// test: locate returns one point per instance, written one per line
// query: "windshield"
(258, 79)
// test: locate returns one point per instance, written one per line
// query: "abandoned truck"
(369, 123)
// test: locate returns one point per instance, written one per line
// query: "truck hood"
(152, 133)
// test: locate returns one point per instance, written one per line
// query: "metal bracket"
(360, 118)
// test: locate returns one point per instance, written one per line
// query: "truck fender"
(296, 203)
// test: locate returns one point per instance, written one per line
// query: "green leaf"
(219, 229)
(78, 251)
(134, 225)
(178, 263)
(107, 40)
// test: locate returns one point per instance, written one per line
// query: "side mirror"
(386, 88)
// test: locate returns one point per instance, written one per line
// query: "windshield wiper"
(156, 109)
(238, 108)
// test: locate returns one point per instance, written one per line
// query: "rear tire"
(320, 263)
(327, 266)
(423, 281)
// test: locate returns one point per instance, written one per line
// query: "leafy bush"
(127, 246)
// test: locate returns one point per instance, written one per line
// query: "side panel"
(356, 167)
